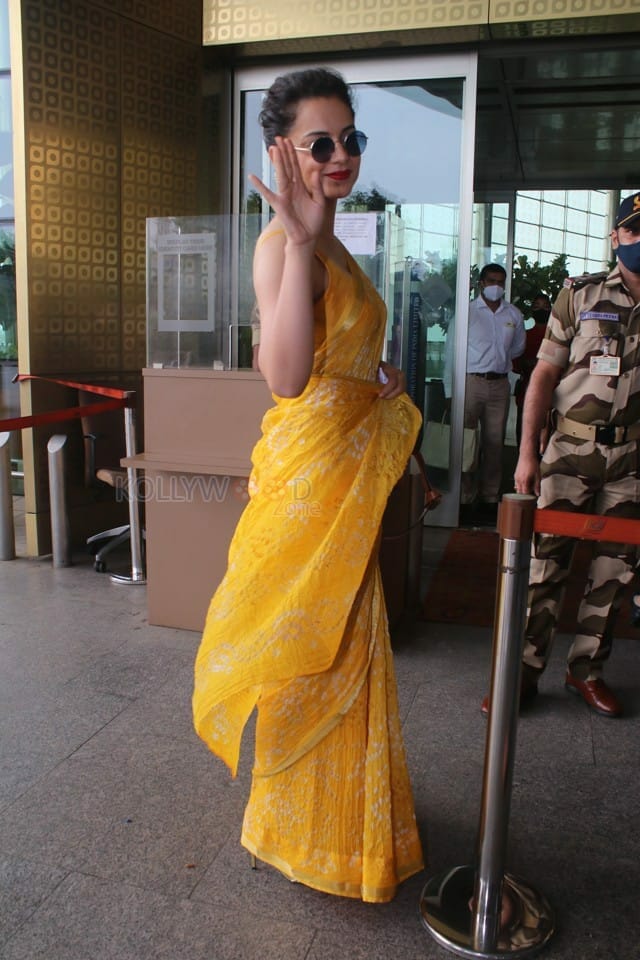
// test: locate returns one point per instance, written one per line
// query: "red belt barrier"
(587, 526)
(120, 399)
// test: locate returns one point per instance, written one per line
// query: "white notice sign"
(357, 231)
(186, 282)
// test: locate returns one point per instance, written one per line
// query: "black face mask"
(540, 316)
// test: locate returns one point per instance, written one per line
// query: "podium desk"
(200, 427)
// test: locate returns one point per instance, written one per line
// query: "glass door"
(416, 183)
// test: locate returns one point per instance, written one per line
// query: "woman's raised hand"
(300, 207)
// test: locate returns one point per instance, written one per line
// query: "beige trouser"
(486, 403)
(591, 478)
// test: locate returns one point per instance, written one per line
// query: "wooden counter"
(200, 427)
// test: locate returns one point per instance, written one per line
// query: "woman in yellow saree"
(298, 626)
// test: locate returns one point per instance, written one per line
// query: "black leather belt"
(490, 376)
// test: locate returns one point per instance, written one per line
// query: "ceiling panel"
(558, 118)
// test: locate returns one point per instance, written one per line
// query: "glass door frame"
(508, 197)
(373, 70)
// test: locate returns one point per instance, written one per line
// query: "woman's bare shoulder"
(272, 231)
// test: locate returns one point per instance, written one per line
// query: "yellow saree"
(298, 625)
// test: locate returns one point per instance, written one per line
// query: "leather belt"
(490, 376)
(608, 433)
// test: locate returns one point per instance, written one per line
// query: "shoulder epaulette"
(576, 283)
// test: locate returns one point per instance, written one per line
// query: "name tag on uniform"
(596, 315)
(605, 366)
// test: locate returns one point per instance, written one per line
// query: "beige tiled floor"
(119, 832)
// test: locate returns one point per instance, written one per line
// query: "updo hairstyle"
(279, 106)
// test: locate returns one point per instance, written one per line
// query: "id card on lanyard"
(605, 365)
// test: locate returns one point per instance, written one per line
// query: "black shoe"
(635, 610)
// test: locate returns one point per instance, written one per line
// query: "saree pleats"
(298, 628)
(340, 817)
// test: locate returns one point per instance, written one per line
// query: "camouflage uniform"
(592, 315)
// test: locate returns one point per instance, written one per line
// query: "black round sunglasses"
(322, 149)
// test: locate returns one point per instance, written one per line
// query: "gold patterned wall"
(243, 21)
(160, 127)
(248, 21)
(516, 10)
(72, 171)
(111, 131)
(111, 112)
(537, 19)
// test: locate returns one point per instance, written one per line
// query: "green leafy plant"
(8, 347)
(528, 279)
(253, 202)
(364, 200)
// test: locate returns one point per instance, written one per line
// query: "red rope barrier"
(88, 387)
(120, 399)
(587, 526)
(53, 416)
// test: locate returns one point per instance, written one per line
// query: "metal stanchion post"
(57, 500)
(7, 527)
(137, 569)
(479, 910)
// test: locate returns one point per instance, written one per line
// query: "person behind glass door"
(298, 625)
(539, 312)
(496, 336)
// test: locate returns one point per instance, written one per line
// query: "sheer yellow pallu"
(298, 627)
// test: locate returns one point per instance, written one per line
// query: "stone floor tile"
(91, 919)
(24, 885)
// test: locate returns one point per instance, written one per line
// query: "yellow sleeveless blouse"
(298, 625)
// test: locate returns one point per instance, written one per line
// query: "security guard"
(588, 379)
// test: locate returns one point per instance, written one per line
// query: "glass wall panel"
(8, 341)
(552, 215)
(598, 225)
(578, 199)
(599, 250)
(199, 292)
(6, 150)
(5, 61)
(527, 235)
(490, 233)
(577, 221)
(552, 241)
(528, 209)
(8, 333)
(572, 222)
(500, 232)
(413, 217)
(599, 202)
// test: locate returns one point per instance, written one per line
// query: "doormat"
(463, 586)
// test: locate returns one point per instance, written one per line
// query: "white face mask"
(493, 293)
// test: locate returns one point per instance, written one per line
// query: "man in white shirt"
(496, 336)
